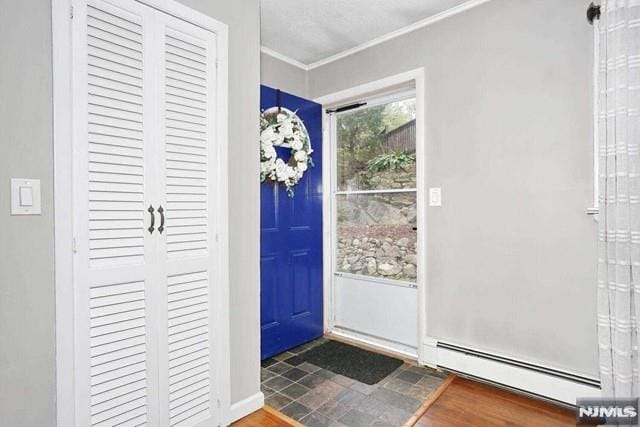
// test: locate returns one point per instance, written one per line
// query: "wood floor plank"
(467, 402)
(266, 417)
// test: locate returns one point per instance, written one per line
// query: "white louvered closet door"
(143, 138)
(188, 65)
(114, 259)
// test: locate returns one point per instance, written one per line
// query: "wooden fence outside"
(402, 138)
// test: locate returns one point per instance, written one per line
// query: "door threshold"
(370, 345)
(431, 399)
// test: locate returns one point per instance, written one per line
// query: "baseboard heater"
(524, 376)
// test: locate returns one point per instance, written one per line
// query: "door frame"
(63, 149)
(377, 88)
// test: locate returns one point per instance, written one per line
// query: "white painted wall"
(511, 253)
(27, 304)
(280, 75)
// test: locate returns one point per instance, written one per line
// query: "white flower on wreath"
(275, 130)
(267, 135)
(286, 129)
(281, 169)
(269, 151)
(296, 144)
(265, 167)
(300, 156)
(279, 139)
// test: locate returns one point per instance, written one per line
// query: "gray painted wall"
(27, 303)
(511, 254)
(243, 19)
(280, 75)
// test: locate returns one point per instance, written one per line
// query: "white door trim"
(63, 207)
(62, 18)
(416, 77)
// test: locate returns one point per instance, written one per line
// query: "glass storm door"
(374, 223)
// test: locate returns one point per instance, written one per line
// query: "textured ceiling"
(311, 30)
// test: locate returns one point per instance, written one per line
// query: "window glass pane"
(376, 235)
(377, 147)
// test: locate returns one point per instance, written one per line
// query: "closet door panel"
(145, 221)
(188, 246)
(113, 255)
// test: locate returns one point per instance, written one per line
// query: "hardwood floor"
(467, 402)
(266, 417)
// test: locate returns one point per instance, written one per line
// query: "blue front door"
(291, 243)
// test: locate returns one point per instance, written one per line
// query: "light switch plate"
(25, 196)
(435, 196)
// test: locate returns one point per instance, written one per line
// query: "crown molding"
(277, 55)
(399, 32)
(378, 40)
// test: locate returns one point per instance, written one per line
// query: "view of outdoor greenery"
(376, 230)
(362, 136)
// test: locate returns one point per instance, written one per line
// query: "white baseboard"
(429, 356)
(246, 406)
(557, 385)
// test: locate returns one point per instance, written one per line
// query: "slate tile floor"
(317, 397)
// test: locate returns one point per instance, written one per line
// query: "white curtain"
(619, 233)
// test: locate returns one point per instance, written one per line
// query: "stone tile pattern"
(317, 397)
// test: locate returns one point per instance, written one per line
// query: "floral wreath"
(280, 127)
